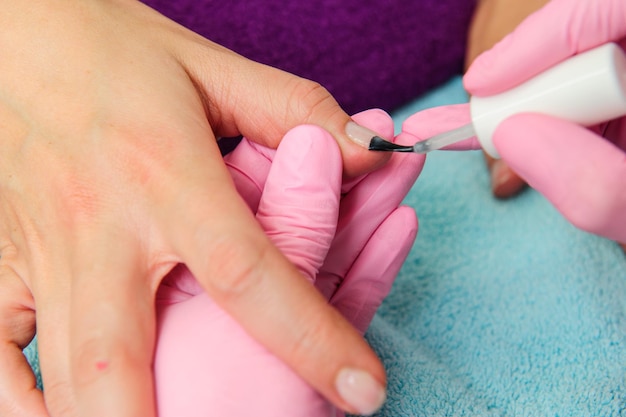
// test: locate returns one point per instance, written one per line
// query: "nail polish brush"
(587, 89)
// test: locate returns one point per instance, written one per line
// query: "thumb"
(582, 174)
(262, 103)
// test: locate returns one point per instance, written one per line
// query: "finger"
(538, 43)
(300, 202)
(375, 120)
(505, 182)
(250, 279)
(19, 395)
(372, 275)
(112, 332)
(427, 123)
(249, 169)
(582, 174)
(279, 102)
(367, 205)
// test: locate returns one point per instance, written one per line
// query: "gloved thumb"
(582, 174)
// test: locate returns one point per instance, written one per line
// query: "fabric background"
(380, 53)
(503, 308)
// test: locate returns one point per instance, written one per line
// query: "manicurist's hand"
(110, 175)
(580, 170)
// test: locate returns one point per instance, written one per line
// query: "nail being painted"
(360, 135)
(379, 144)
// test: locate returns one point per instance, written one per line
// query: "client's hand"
(349, 240)
(110, 175)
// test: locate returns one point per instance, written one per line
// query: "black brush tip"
(379, 144)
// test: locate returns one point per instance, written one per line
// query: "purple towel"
(378, 55)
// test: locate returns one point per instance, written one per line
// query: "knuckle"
(59, 398)
(77, 197)
(309, 101)
(8, 251)
(238, 267)
(17, 318)
(18, 325)
(143, 157)
(313, 339)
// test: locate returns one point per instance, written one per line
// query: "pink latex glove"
(583, 175)
(351, 247)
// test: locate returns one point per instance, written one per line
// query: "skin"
(109, 148)
(349, 240)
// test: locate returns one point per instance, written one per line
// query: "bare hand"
(110, 175)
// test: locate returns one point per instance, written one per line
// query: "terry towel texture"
(502, 308)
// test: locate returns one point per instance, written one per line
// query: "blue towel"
(503, 308)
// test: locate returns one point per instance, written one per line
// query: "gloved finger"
(371, 276)
(19, 395)
(559, 30)
(362, 210)
(373, 120)
(249, 164)
(582, 174)
(298, 210)
(427, 123)
(112, 330)
(300, 202)
(253, 281)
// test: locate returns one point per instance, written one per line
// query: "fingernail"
(360, 390)
(499, 174)
(504, 182)
(360, 135)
